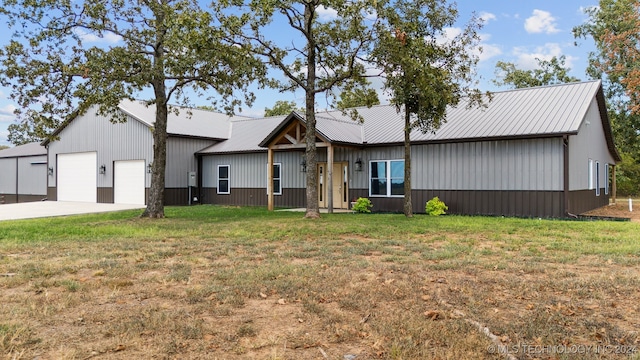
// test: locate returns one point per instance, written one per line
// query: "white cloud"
(6, 113)
(527, 60)
(326, 13)
(487, 16)
(4, 135)
(92, 37)
(541, 22)
(489, 51)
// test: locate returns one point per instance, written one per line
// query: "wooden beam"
(296, 146)
(330, 179)
(270, 179)
(298, 133)
(291, 138)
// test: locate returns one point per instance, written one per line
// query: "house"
(23, 173)
(95, 160)
(536, 152)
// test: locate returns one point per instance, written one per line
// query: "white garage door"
(77, 177)
(128, 182)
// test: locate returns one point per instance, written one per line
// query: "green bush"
(362, 205)
(435, 207)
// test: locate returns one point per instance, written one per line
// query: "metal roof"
(532, 112)
(245, 135)
(539, 111)
(188, 122)
(30, 149)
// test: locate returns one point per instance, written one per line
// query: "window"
(606, 179)
(386, 178)
(277, 179)
(597, 178)
(590, 174)
(223, 179)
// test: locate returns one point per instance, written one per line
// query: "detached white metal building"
(23, 173)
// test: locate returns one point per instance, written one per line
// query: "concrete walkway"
(40, 209)
(322, 210)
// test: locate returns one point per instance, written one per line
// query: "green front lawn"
(236, 283)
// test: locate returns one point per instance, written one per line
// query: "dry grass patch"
(408, 289)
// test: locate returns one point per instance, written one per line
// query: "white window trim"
(388, 177)
(597, 178)
(606, 178)
(228, 178)
(280, 178)
(590, 175)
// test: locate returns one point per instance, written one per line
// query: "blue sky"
(515, 31)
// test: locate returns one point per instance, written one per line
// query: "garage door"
(128, 182)
(77, 177)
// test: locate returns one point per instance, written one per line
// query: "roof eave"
(606, 124)
(283, 124)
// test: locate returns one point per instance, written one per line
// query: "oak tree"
(164, 50)
(424, 70)
(319, 51)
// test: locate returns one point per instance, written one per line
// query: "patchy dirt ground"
(535, 289)
(620, 210)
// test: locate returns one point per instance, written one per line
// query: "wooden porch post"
(330, 178)
(614, 189)
(270, 179)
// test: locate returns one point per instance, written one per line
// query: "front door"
(340, 185)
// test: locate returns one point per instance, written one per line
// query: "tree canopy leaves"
(424, 71)
(65, 56)
(320, 53)
(282, 107)
(549, 72)
(614, 26)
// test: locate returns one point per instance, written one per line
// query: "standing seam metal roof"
(189, 122)
(245, 135)
(531, 112)
(30, 149)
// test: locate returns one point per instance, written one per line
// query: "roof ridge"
(574, 83)
(332, 118)
(246, 118)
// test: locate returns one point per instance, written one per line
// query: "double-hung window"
(386, 178)
(223, 179)
(597, 178)
(277, 179)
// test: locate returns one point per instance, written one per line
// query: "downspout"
(565, 177)
(199, 176)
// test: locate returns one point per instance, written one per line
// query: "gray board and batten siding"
(583, 147)
(23, 174)
(90, 132)
(248, 179)
(189, 131)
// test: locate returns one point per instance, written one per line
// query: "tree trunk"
(313, 209)
(408, 207)
(155, 203)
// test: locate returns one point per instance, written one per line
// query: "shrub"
(436, 207)
(362, 205)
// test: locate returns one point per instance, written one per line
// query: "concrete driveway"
(41, 209)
